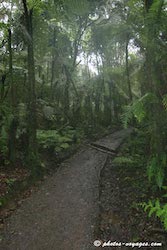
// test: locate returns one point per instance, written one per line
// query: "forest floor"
(67, 213)
(121, 218)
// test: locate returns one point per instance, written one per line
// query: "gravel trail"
(62, 214)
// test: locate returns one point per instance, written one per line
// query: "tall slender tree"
(31, 93)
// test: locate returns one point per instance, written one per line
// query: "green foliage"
(157, 168)
(164, 101)
(54, 140)
(127, 116)
(3, 25)
(122, 160)
(81, 7)
(36, 5)
(5, 121)
(90, 93)
(3, 142)
(156, 208)
(138, 109)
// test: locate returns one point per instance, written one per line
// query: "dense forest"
(72, 71)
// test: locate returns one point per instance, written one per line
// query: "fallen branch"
(102, 150)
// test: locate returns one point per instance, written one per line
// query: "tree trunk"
(31, 117)
(157, 145)
(13, 125)
(127, 70)
(32, 95)
(53, 66)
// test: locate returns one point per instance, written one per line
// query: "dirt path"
(62, 214)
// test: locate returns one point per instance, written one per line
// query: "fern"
(134, 110)
(127, 116)
(54, 140)
(156, 208)
(138, 109)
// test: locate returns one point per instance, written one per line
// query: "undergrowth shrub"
(157, 209)
(57, 141)
(123, 160)
(133, 151)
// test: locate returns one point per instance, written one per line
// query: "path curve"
(61, 215)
